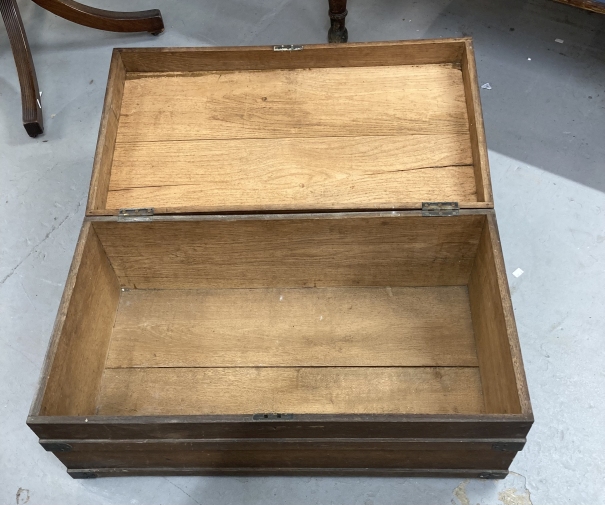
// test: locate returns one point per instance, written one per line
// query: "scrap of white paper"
(560, 41)
(487, 85)
(518, 272)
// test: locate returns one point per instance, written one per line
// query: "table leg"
(30, 95)
(112, 21)
(338, 13)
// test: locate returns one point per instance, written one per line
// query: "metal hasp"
(273, 417)
(433, 209)
(135, 214)
(288, 47)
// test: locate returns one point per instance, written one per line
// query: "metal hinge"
(430, 209)
(288, 47)
(135, 214)
(273, 417)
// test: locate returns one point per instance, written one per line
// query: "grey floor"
(545, 121)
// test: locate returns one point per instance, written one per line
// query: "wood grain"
(452, 473)
(293, 327)
(318, 102)
(464, 426)
(276, 458)
(476, 128)
(263, 251)
(589, 5)
(83, 330)
(315, 390)
(293, 173)
(360, 54)
(102, 166)
(492, 329)
(289, 444)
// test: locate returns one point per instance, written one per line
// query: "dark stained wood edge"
(513, 426)
(409, 444)
(477, 130)
(509, 315)
(589, 5)
(91, 473)
(101, 171)
(60, 319)
(195, 59)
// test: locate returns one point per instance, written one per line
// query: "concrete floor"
(545, 121)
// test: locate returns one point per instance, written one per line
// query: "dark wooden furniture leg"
(30, 95)
(142, 21)
(338, 13)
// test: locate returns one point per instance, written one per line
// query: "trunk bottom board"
(314, 351)
(298, 459)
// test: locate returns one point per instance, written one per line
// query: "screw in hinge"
(144, 214)
(430, 209)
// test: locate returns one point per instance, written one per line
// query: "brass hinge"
(288, 47)
(430, 209)
(273, 417)
(129, 215)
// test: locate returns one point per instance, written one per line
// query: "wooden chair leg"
(111, 21)
(338, 12)
(30, 95)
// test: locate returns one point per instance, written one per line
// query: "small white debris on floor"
(528, 59)
(487, 85)
(560, 41)
(518, 272)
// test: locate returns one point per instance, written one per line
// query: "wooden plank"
(290, 472)
(285, 444)
(471, 427)
(294, 327)
(325, 390)
(313, 173)
(284, 458)
(476, 128)
(589, 5)
(77, 353)
(193, 59)
(101, 170)
(318, 102)
(267, 251)
(492, 328)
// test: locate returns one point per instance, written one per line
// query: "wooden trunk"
(290, 264)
